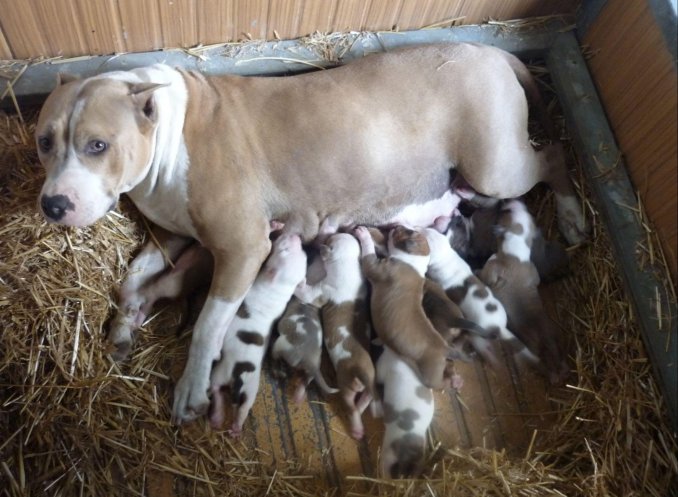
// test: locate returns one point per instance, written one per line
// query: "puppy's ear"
(63, 78)
(142, 94)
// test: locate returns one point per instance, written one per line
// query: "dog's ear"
(62, 78)
(142, 94)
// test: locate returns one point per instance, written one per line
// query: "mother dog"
(218, 158)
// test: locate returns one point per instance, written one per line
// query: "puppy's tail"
(529, 84)
(322, 384)
(366, 378)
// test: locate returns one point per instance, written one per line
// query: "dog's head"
(95, 138)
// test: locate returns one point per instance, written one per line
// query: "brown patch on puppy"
(481, 293)
(250, 337)
(409, 450)
(243, 312)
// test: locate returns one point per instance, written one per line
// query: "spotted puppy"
(341, 296)
(514, 279)
(473, 238)
(299, 344)
(475, 299)
(191, 268)
(247, 337)
(396, 306)
(408, 411)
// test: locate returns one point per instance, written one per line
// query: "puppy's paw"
(361, 233)
(235, 431)
(441, 224)
(190, 398)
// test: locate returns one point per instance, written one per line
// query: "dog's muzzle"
(55, 206)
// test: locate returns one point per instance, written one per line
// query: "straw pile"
(75, 423)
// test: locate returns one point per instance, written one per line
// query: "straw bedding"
(73, 422)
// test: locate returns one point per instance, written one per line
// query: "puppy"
(473, 238)
(473, 297)
(191, 271)
(299, 344)
(247, 337)
(408, 411)
(514, 279)
(396, 305)
(341, 297)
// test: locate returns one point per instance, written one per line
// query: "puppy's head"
(437, 242)
(409, 241)
(516, 229)
(340, 246)
(95, 139)
(287, 262)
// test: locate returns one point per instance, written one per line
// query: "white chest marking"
(162, 194)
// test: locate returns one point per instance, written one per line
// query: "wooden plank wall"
(33, 28)
(637, 82)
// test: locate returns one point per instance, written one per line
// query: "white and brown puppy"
(146, 283)
(474, 239)
(300, 343)
(190, 271)
(408, 411)
(514, 279)
(247, 338)
(341, 296)
(474, 298)
(398, 317)
(214, 158)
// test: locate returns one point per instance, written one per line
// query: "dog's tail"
(529, 84)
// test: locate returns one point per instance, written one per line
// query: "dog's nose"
(55, 206)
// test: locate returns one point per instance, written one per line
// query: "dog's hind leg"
(571, 221)
(487, 174)
(148, 265)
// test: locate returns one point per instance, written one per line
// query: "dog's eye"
(96, 147)
(45, 144)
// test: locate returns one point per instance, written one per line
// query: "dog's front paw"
(190, 398)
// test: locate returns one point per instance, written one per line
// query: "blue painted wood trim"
(275, 57)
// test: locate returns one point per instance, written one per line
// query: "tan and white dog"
(217, 158)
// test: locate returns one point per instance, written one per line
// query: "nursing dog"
(217, 158)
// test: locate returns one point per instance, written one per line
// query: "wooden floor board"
(496, 408)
